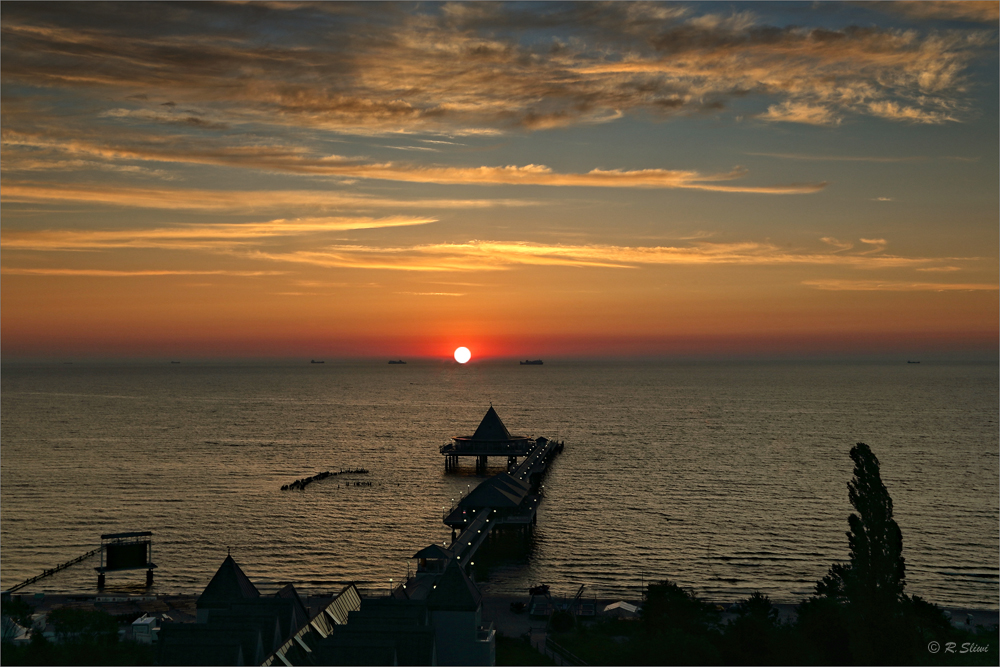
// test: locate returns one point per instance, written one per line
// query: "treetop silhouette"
(874, 579)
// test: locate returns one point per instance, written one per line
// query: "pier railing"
(28, 582)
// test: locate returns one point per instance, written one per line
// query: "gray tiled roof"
(500, 491)
(228, 584)
(454, 591)
(433, 551)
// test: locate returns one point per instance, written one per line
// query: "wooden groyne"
(301, 484)
(47, 573)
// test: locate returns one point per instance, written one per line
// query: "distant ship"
(398, 361)
(913, 362)
(175, 362)
(317, 362)
(530, 362)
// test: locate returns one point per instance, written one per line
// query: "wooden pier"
(503, 507)
(57, 568)
(507, 502)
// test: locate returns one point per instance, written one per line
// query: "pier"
(57, 568)
(505, 503)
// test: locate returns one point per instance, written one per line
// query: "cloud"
(842, 158)
(190, 119)
(229, 201)
(190, 237)
(110, 273)
(466, 69)
(501, 255)
(296, 242)
(801, 112)
(896, 286)
(434, 293)
(955, 10)
(294, 161)
(878, 245)
(895, 111)
(840, 245)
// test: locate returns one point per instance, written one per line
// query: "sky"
(334, 180)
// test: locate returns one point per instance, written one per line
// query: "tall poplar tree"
(874, 578)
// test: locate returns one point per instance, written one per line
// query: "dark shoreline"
(181, 607)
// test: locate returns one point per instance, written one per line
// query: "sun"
(462, 355)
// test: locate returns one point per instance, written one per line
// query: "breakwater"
(301, 484)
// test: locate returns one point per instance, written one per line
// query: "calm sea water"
(727, 478)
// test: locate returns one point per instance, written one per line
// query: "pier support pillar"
(100, 581)
(482, 463)
(149, 578)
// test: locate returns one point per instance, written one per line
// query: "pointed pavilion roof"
(454, 591)
(433, 551)
(229, 584)
(492, 429)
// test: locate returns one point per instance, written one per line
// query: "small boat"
(530, 362)
(398, 361)
(539, 590)
(913, 362)
(317, 362)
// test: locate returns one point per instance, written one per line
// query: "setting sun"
(462, 355)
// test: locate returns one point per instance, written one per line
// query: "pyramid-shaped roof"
(500, 491)
(433, 551)
(454, 591)
(491, 428)
(228, 585)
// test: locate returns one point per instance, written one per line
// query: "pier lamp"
(390, 585)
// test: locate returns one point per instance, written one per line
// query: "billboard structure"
(126, 551)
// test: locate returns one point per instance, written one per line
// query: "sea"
(725, 477)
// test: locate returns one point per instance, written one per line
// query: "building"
(236, 625)
(491, 439)
(435, 618)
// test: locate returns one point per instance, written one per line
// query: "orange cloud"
(191, 237)
(111, 273)
(494, 255)
(897, 286)
(293, 160)
(224, 200)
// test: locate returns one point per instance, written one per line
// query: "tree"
(755, 635)
(868, 590)
(873, 581)
(668, 606)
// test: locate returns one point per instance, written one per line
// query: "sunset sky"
(529, 180)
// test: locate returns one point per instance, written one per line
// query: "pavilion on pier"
(491, 439)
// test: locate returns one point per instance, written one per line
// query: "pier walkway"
(504, 501)
(47, 573)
